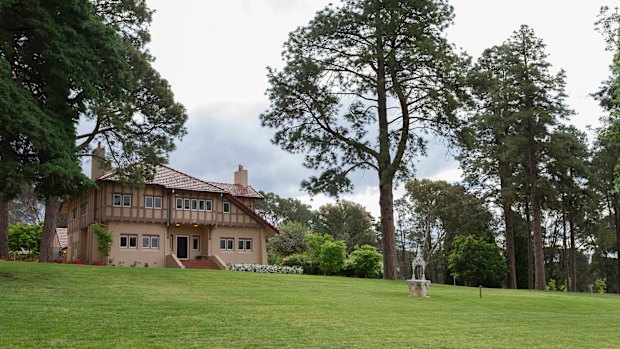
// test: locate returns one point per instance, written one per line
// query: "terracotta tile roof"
(238, 190)
(173, 179)
(62, 237)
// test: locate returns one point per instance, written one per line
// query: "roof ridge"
(192, 177)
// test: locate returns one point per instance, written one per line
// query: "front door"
(182, 247)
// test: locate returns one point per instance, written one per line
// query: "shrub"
(366, 261)
(601, 285)
(78, 261)
(477, 262)
(301, 260)
(273, 259)
(266, 269)
(290, 240)
(104, 239)
(25, 237)
(332, 256)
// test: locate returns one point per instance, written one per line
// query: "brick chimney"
(241, 177)
(99, 165)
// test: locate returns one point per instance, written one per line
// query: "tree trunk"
(510, 240)
(539, 256)
(565, 255)
(530, 280)
(617, 227)
(573, 253)
(52, 206)
(4, 228)
(386, 202)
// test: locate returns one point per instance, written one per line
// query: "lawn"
(78, 306)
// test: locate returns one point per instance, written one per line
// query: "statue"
(418, 286)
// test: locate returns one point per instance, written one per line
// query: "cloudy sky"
(215, 54)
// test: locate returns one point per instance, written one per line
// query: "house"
(59, 243)
(174, 220)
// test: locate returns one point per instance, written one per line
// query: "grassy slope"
(62, 306)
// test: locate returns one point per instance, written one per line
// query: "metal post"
(480, 287)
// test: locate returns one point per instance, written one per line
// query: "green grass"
(75, 306)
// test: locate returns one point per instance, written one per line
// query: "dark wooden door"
(182, 247)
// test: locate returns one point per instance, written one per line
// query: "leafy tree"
(437, 212)
(278, 210)
(477, 262)
(347, 221)
(608, 96)
(358, 81)
(25, 237)
(366, 261)
(290, 240)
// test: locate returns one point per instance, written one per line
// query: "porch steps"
(200, 264)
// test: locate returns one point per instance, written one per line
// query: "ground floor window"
(227, 244)
(245, 245)
(150, 241)
(129, 241)
(195, 243)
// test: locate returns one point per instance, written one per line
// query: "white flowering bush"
(266, 269)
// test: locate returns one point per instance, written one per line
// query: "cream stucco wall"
(258, 255)
(138, 256)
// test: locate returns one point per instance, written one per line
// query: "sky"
(215, 55)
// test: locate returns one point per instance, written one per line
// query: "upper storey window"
(226, 207)
(123, 200)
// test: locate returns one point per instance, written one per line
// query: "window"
(195, 243)
(209, 205)
(179, 204)
(129, 241)
(148, 201)
(227, 244)
(201, 205)
(126, 200)
(186, 204)
(157, 202)
(74, 213)
(83, 209)
(150, 241)
(116, 200)
(245, 245)
(194, 205)
(226, 207)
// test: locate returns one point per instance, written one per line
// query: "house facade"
(170, 221)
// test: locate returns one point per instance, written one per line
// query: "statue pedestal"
(418, 288)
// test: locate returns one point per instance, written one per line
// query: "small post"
(453, 280)
(480, 287)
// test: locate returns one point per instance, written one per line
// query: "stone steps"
(200, 264)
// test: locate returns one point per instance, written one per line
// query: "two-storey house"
(171, 221)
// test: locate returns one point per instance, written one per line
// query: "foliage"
(332, 257)
(366, 261)
(347, 221)
(600, 285)
(290, 240)
(25, 237)
(273, 259)
(301, 260)
(347, 100)
(477, 262)
(278, 210)
(266, 269)
(104, 239)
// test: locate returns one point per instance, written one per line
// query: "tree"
(290, 240)
(25, 237)
(361, 85)
(347, 221)
(608, 96)
(56, 56)
(477, 262)
(366, 261)
(278, 210)
(437, 212)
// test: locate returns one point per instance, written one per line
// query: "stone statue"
(418, 285)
